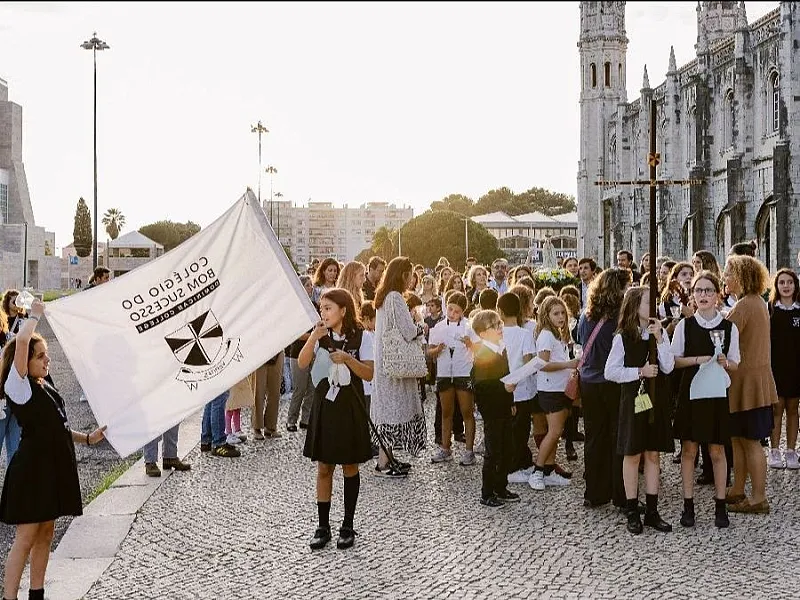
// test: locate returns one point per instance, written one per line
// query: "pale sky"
(399, 102)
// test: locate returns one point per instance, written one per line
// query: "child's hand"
(319, 332)
(513, 411)
(338, 357)
(649, 371)
(510, 387)
(467, 341)
(654, 328)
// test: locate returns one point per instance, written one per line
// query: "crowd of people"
(511, 366)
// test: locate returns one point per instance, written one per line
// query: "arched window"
(593, 74)
(775, 91)
(607, 74)
(728, 121)
(619, 74)
(691, 137)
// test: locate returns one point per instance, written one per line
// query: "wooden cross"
(653, 160)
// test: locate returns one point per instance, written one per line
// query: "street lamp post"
(278, 195)
(271, 170)
(466, 238)
(94, 45)
(259, 129)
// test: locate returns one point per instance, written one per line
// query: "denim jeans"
(213, 428)
(11, 433)
(169, 448)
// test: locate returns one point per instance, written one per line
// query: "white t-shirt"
(552, 381)
(18, 388)
(519, 343)
(456, 359)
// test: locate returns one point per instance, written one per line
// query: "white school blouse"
(616, 370)
(519, 342)
(552, 381)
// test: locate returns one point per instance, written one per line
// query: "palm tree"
(114, 221)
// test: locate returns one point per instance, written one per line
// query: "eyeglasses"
(705, 291)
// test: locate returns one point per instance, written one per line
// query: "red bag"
(573, 389)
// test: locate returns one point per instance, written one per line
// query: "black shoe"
(226, 451)
(570, 450)
(578, 437)
(687, 518)
(347, 537)
(634, 522)
(590, 504)
(654, 520)
(507, 496)
(460, 437)
(721, 514)
(176, 464)
(390, 472)
(291, 428)
(205, 447)
(321, 538)
(492, 502)
(303, 425)
(624, 509)
(705, 479)
(152, 470)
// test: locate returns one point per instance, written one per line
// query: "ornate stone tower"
(603, 49)
(717, 20)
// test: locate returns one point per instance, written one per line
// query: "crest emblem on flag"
(202, 349)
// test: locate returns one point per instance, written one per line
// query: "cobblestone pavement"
(239, 529)
(93, 463)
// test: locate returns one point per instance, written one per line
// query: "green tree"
(169, 233)
(82, 230)
(291, 258)
(113, 221)
(456, 203)
(437, 233)
(546, 202)
(382, 244)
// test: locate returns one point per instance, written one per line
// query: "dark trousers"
(571, 425)
(497, 437)
(521, 456)
(603, 466)
(458, 420)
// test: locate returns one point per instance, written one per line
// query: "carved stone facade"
(728, 117)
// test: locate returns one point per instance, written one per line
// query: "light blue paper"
(711, 381)
(321, 367)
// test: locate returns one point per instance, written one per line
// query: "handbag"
(573, 389)
(401, 359)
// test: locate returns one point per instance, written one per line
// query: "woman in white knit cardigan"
(396, 408)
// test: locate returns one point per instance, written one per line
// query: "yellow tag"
(642, 403)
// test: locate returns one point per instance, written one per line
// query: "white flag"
(151, 347)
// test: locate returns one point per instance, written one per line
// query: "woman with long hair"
(752, 392)
(600, 397)
(396, 409)
(428, 288)
(325, 277)
(784, 302)
(41, 481)
(352, 279)
(477, 281)
(703, 260)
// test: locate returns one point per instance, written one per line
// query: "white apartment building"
(320, 229)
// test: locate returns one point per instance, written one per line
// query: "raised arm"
(23, 338)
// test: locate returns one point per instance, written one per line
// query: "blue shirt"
(594, 362)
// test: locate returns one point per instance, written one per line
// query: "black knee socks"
(651, 500)
(351, 487)
(36, 594)
(324, 512)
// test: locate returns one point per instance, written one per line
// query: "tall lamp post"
(95, 44)
(278, 195)
(271, 170)
(259, 129)
(466, 238)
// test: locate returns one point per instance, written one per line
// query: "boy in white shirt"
(450, 343)
(521, 348)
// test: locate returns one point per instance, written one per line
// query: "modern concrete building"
(524, 235)
(320, 229)
(26, 250)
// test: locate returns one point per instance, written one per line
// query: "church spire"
(673, 67)
(741, 17)
(646, 81)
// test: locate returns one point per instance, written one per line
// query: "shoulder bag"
(401, 359)
(573, 389)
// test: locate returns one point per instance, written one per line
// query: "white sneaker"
(480, 448)
(555, 480)
(442, 455)
(791, 460)
(536, 480)
(233, 439)
(81, 398)
(467, 459)
(775, 460)
(521, 476)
